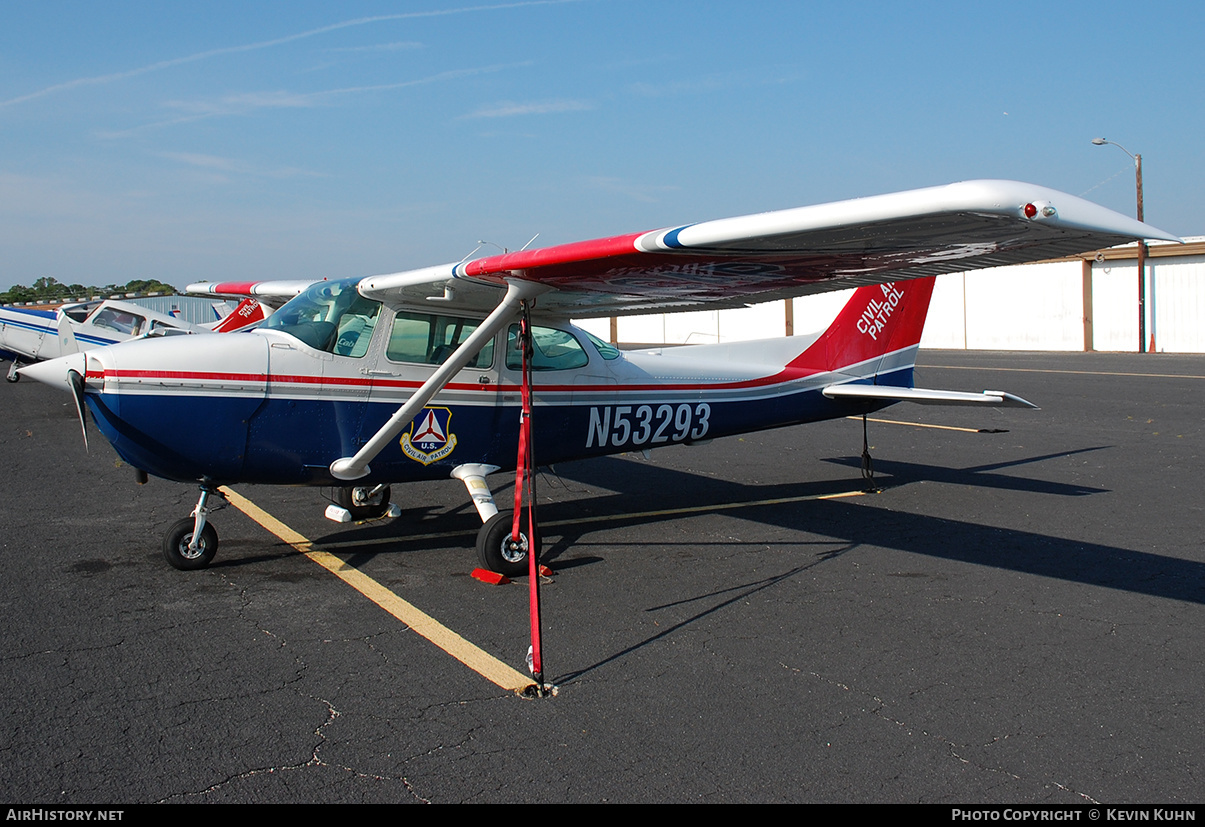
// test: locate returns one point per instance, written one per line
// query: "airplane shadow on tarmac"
(647, 494)
(853, 523)
(864, 523)
(659, 492)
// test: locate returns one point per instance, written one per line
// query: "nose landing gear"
(191, 543)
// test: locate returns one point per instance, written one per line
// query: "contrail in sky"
(250, 47)
(236, 104)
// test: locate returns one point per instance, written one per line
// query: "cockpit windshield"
(329, 316)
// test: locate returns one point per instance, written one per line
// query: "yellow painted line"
(917, 424)
(610, 518)
(423, 624)
(1076, 372)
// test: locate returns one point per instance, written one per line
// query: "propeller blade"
(77, 390)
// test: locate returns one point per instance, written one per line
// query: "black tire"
(11, 375)
(175, 545)
(354, 499)
(492, 549)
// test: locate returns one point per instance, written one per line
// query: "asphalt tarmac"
(1015, 616)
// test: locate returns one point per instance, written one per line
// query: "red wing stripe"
(600, 248)
(240, 288)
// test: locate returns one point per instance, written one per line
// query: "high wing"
(733, 262)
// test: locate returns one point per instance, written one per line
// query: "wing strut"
(355, 467)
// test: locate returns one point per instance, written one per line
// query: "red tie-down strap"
(525, 484)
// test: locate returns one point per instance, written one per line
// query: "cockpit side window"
(428, 339)
(113, 319)
(552, 349)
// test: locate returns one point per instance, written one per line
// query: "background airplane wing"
(775, 255)
(271, 293)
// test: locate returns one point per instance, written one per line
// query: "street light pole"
(1141, 244)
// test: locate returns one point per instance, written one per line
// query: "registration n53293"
(619, 425)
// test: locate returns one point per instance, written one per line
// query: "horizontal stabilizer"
(925, 396)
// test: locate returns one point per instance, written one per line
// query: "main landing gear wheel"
(363, 502)
(498, 553)
(12, 375)
(176, 542)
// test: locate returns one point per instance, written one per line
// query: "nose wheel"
(191, 543)
(182, 553)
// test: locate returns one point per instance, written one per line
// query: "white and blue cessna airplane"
(417, 375)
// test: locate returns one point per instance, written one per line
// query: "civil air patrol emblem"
(429, 438)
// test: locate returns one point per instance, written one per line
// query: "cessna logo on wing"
(429, 439)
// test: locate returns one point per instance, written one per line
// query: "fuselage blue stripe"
(293, 441)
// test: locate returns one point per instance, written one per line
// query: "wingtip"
(1011, 400)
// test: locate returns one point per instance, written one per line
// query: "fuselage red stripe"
(782, 377)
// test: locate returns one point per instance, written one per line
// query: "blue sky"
(298, 139)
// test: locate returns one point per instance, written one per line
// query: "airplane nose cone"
(55, 372)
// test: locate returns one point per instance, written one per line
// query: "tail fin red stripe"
(877, 320)
(248, 312)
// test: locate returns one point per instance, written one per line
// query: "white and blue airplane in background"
(30, 335)
(364, 382)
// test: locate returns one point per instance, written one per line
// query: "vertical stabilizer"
(877, 321)
(247, 313)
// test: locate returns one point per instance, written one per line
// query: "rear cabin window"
(428, 339)
(606, 350)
